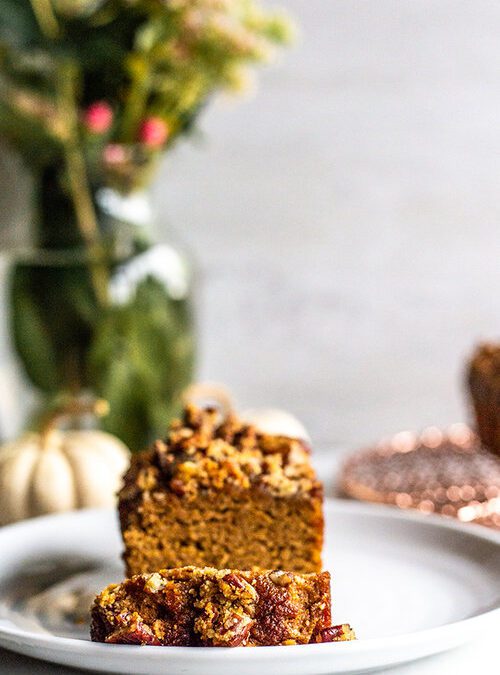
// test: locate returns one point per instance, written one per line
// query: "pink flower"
(98, 117)
(153, 132)
(114, 154)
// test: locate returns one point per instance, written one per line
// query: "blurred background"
(344, 220)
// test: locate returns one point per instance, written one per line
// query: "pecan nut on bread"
(217, 492)
(207, 607)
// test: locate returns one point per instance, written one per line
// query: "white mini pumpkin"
(275, 422)
(59, 471)
(272, 421)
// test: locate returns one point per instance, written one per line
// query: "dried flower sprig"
(145, 69)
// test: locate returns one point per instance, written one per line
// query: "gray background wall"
(346, 218)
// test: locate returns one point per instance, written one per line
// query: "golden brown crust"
(221, 494)
(209, 607)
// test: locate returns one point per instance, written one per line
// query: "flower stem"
(76, 170)
(44, 13)
(135, 104)
(78, 181)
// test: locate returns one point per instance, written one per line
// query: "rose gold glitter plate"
(411, 586)
(446, 472)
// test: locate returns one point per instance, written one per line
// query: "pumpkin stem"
(205, 394)
(74, 408)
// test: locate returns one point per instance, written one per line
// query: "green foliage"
(19, 28)
(138, 355)
(53, 311)
(141, 360)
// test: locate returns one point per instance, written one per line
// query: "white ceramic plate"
(410, 585)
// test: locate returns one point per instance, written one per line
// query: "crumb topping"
(227, 608)
(201, 451)
(216, 607)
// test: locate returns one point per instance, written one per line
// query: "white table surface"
(481, 656)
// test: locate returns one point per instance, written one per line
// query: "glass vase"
(114, 321)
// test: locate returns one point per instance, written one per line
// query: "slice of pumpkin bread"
(217, 608)
(219, 493)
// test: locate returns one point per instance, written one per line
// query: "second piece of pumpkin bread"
(217, 608)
